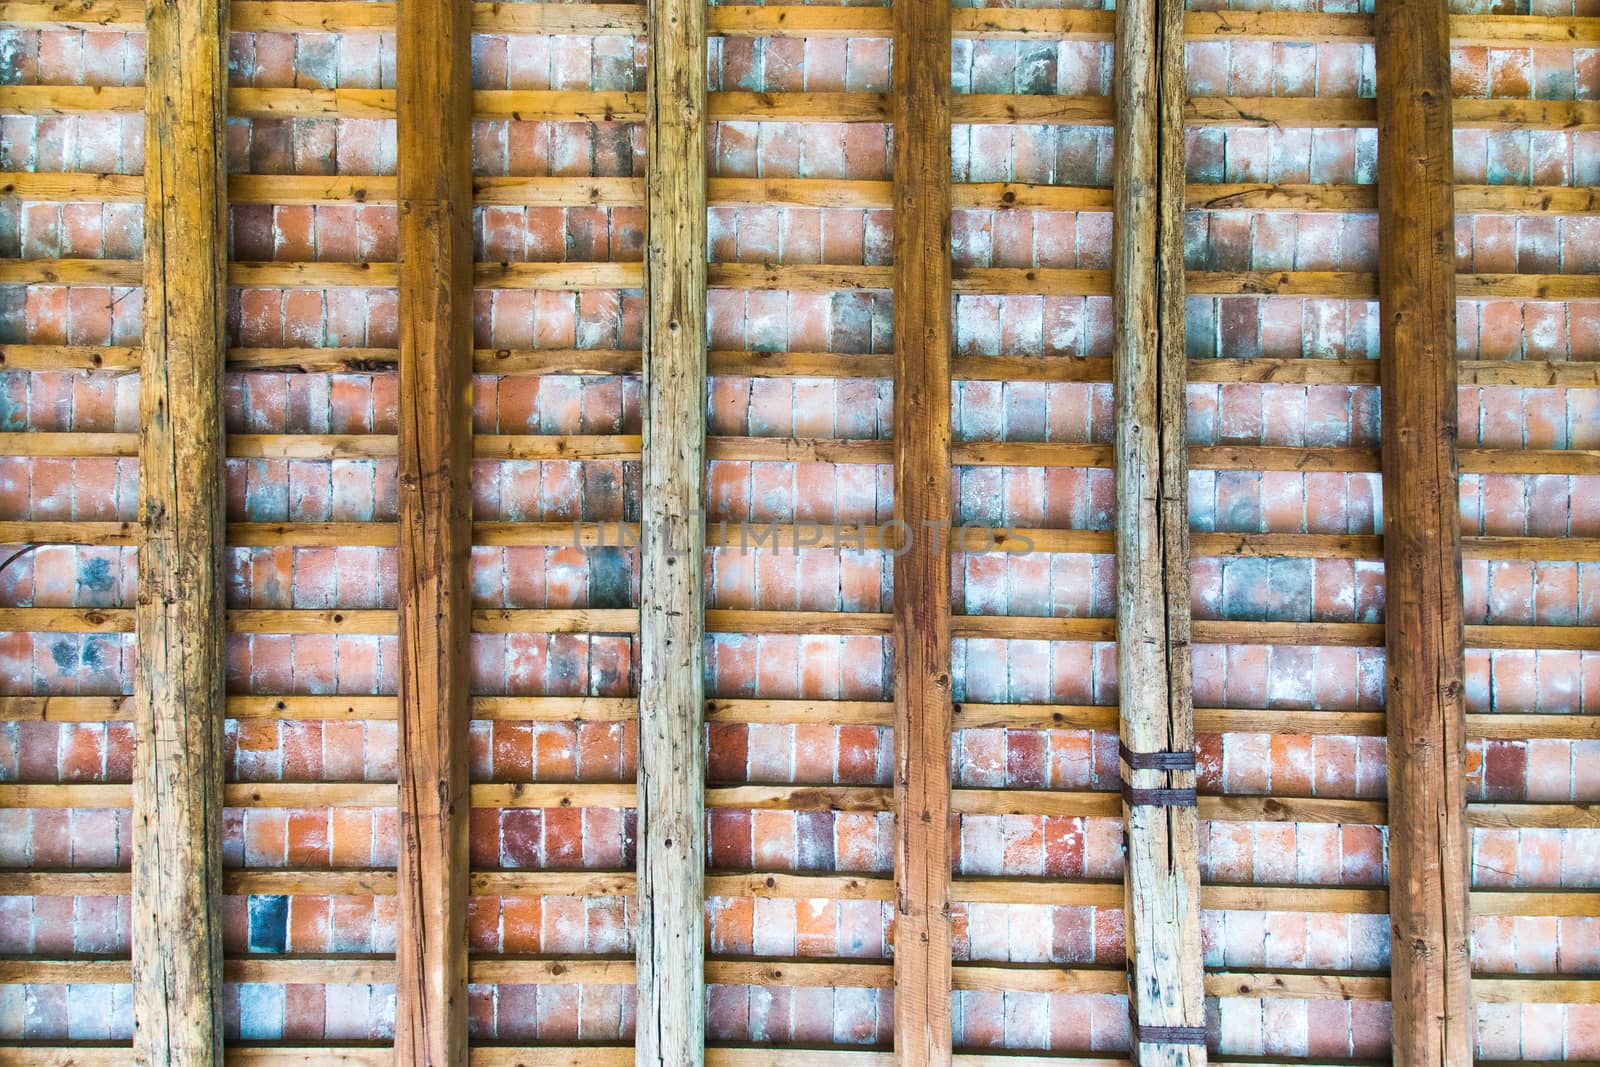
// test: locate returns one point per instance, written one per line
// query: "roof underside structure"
(573, 535)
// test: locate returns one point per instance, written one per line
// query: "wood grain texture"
(1428, 902)
(1162, 881)
(921, 109)
(433, 100)
(176, 930)
(670, 946)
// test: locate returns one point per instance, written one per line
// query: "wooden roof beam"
(176, 934)
(1162, 875)
(1428, 903)
(434, 179)
(923, 331)
(670, 947)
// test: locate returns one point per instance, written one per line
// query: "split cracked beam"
(1162, 881)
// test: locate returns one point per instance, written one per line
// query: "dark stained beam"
(1422, 537)
(672, 843)
(922, 502)
(178, 672)
(433, 109)
(1162, 880)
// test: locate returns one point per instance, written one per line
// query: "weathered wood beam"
(1428, 903)
(670, 946)
(178, 671)
(922, 503)
(1162, 880)
(433, 100)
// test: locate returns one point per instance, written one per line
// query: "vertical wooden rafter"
(1166, 998)
(670, 1031)
(1422, 538)
(433, 110)
(922, 503)
(178, 677)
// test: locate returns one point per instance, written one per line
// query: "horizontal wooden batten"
(525, 105)
(300, 189)
(812, 972)
(521, 105)
(1351, 285)
(595, 1055)
(53, 187)
(36, 187)
(873, 451)
(1300, 722)
(623, 19)
(338, 970)
(324, 708)
(320, 275)
(291, 189)
(1298, 899)
(575, 276)
(1469, 113)
(541, 105)
(835, 623)
(1470, 199)
(1561, 374)
(300, 795)
(591, 1055)
(799, 797)
(801, 277)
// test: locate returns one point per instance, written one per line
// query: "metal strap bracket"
(1156, 761)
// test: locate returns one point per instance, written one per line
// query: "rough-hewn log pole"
(922, 342)
(1166, 997)
(433, 100)
(178, 679)
(672, 845)
(1422, 537)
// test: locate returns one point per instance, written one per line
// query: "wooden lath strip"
(670, 938)
(53, 187)
(1024, 281)
(593, 1055)
(865, 451)
(798, 536)
(435, 278)
(1029, 281)
(802, 797)
(1556, 374)
(624, 621)
(965, 716)
(1165, 980)
(791, 885)
(1425, 691)
(178, 670)
(813, 973)
(922, 630)
(549, 105)
(342, 16)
